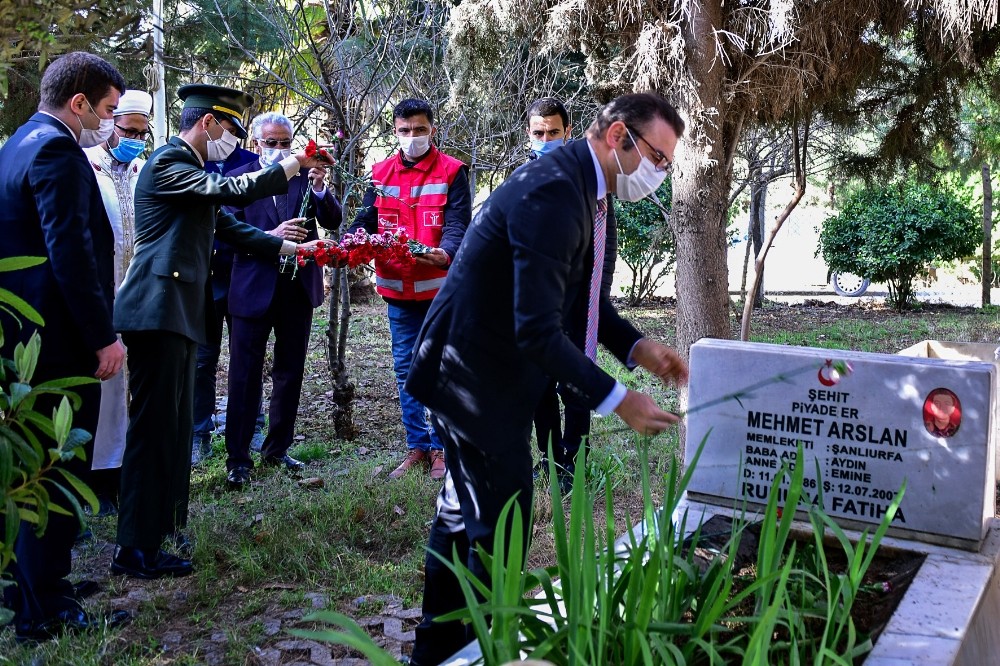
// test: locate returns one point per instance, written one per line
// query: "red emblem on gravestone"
(828, 375)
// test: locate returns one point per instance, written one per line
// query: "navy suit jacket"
(254, 277)
(222, 253)
(498, 329)
(52, 208)
(610, 251)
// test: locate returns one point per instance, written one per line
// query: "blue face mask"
(128, 149)
(539, 147)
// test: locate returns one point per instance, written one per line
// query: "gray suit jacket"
(177, 216)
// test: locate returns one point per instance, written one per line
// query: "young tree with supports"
(348, 61)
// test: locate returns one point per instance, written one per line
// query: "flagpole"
(160, 91)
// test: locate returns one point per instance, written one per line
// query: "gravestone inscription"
(870, 421)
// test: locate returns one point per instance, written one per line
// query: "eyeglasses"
(662, 162)
(271, 143)
(142, 135)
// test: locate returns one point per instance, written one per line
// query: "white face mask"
(219, 149)
(95, 137)
(640, 183)
(269, 156)
(414, 146)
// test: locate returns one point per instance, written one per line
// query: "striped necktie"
(280, 203)
(594, 304)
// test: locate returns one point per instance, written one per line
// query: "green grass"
(259, 553)
(883, 330)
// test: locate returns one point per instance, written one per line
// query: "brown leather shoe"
(437, 464)
(413, 457)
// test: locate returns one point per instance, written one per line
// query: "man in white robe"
(117, 164)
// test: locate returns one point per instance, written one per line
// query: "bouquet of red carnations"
(354, 249)
(362, 247)
(357, 249)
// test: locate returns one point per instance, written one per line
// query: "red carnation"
(312, 150)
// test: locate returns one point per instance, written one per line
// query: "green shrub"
(645, 242)
(894, 233)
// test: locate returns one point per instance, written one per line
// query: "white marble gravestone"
(928, 421)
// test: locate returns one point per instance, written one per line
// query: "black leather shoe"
(73, 620)
(290, 463)
(148, 564)
(86, 588)
(238, 478)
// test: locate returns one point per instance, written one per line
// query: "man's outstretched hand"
(317, 160)
(436, 257)
(661, 361)
(290, 230)
(643, 415)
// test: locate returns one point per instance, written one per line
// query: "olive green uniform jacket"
(177, 216)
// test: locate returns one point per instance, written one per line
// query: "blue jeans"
(405, 321)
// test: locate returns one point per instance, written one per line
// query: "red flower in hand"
(312, 150)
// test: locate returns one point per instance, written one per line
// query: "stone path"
(392, 629)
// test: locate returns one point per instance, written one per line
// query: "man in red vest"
(426, 193)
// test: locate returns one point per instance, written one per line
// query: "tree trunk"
(758, 206)
(701, 182)
(746, 266)
(473, 169)
(343, 387)
(339, 323)
(800, 190)
(987, 271)
(799, 152)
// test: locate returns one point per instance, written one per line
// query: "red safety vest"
(413, 199)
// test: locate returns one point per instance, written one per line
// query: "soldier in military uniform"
(161, 312)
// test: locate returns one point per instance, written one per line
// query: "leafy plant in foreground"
(28, 470)
(648, 599)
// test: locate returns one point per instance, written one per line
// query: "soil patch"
(882, 588)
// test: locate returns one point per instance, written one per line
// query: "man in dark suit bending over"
(548, 129)
(495, 335)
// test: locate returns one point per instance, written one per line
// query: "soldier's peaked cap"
(225, 102)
